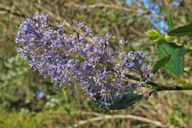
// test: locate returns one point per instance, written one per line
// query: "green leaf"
(170, 21)
(182, 51)
(160, 63)
(126, 101)
(175, 64)
(181, 31)
(175, 45)
(121, 103)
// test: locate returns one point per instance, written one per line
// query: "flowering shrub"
(102, 72)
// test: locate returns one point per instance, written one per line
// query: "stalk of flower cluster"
(69, 59)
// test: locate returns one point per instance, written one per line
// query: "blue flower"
(66, 59)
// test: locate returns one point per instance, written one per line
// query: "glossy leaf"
(170, 21)
(126, 101)
(121, 103)
(181, 31)
(182, 51)
(175, 45)
(175, 64)
(160, 63)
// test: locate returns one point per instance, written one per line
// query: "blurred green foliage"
(20, 85)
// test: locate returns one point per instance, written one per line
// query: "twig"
(9, 10)
(72, 4)
(160, 87)
(78, 112)
(136, 32)
(157, 123)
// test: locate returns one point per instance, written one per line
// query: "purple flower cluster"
(67, 60)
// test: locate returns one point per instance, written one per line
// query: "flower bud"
(154, 35)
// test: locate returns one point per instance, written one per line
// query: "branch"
(10, 10)
(71, 5)
(133, 117)
(159, 87)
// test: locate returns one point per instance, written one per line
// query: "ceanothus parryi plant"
(103, 73)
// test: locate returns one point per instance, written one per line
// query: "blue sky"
(155, 10)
